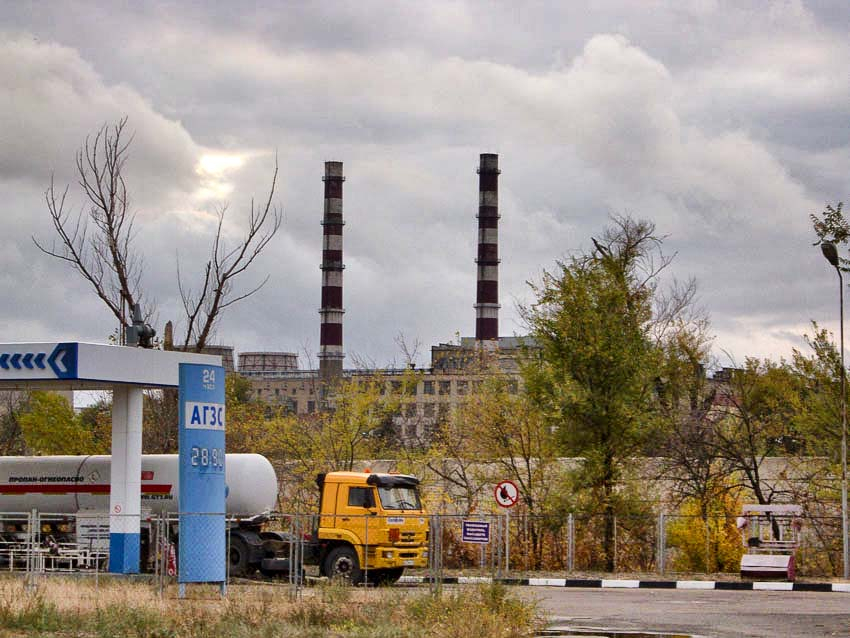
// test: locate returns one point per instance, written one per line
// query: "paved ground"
(718, 614)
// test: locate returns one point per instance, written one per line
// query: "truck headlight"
(388, 554)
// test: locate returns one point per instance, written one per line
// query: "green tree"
(353, 430)
(51, 427)
(754, 418)
(604, 344)
(831, 226)
(12, 405)
(509, 433)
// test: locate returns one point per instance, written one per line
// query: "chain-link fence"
(502, 545)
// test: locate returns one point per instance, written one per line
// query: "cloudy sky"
(724, 123)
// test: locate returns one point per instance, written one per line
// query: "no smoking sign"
(506, 494)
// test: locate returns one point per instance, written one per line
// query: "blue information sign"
(202, 488)
(475, 532)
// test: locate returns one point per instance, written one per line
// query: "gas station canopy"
(90, 366)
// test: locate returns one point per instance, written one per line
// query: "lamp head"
(830, 252)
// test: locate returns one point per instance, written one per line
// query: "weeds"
(122, 608)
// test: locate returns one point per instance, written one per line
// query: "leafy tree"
(604, 344)
(12, 405)
(754, 418)
(832, 227)
(354, 430)
(453, 457)
(818, 423)
(509, 433)
(715, 544)
(51, 427)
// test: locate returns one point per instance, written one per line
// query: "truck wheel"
(342, 564)
(238, 557)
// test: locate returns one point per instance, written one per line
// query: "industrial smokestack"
(487, 298)
(330, 337)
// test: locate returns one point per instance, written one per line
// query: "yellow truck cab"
(370, 522)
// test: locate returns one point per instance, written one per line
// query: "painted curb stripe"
(694, 584)
(573, 582)
(719, 585)
(474, 580)
(620, 584)
(768, 586)
(547, 582)
(657, 584)
(813, 587)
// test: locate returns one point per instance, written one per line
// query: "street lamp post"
(831, 253)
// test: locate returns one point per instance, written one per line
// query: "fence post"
(366, 549)
(507, 542)
(661, 533)
(571, 542)
(615, 543)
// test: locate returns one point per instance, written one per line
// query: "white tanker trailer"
(68, 484)
(70, 492)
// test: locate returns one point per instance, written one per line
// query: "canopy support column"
(125, 480)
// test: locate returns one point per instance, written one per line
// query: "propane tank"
(69, 484)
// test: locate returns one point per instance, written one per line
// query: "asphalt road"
(719, 614)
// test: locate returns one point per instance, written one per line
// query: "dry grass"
(113, 607)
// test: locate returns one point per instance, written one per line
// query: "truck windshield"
(399, 498)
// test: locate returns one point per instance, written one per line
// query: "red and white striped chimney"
(487, 298)
(330, 337)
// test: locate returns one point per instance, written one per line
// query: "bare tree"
(104, 257)
(99, 242)
(224, 266)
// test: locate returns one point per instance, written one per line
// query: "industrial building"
(455, 368)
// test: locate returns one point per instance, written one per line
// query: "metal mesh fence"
(516, 545)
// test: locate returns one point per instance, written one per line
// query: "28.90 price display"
(207, 457)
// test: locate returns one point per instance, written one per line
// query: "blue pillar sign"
(202, 488)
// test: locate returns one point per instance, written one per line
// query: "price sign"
(202, 486)
(507, 494)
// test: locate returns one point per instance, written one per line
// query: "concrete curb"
(636, 584)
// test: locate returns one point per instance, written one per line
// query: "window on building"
(428, 410)
(410, 410)
(443, 410)
(427, 387)
(445, 387)
(513, 387)
(462, 387)
(396, 386)
(311, 407)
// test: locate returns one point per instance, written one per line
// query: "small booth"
(771, 536)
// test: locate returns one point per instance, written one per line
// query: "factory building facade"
(455, 369)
